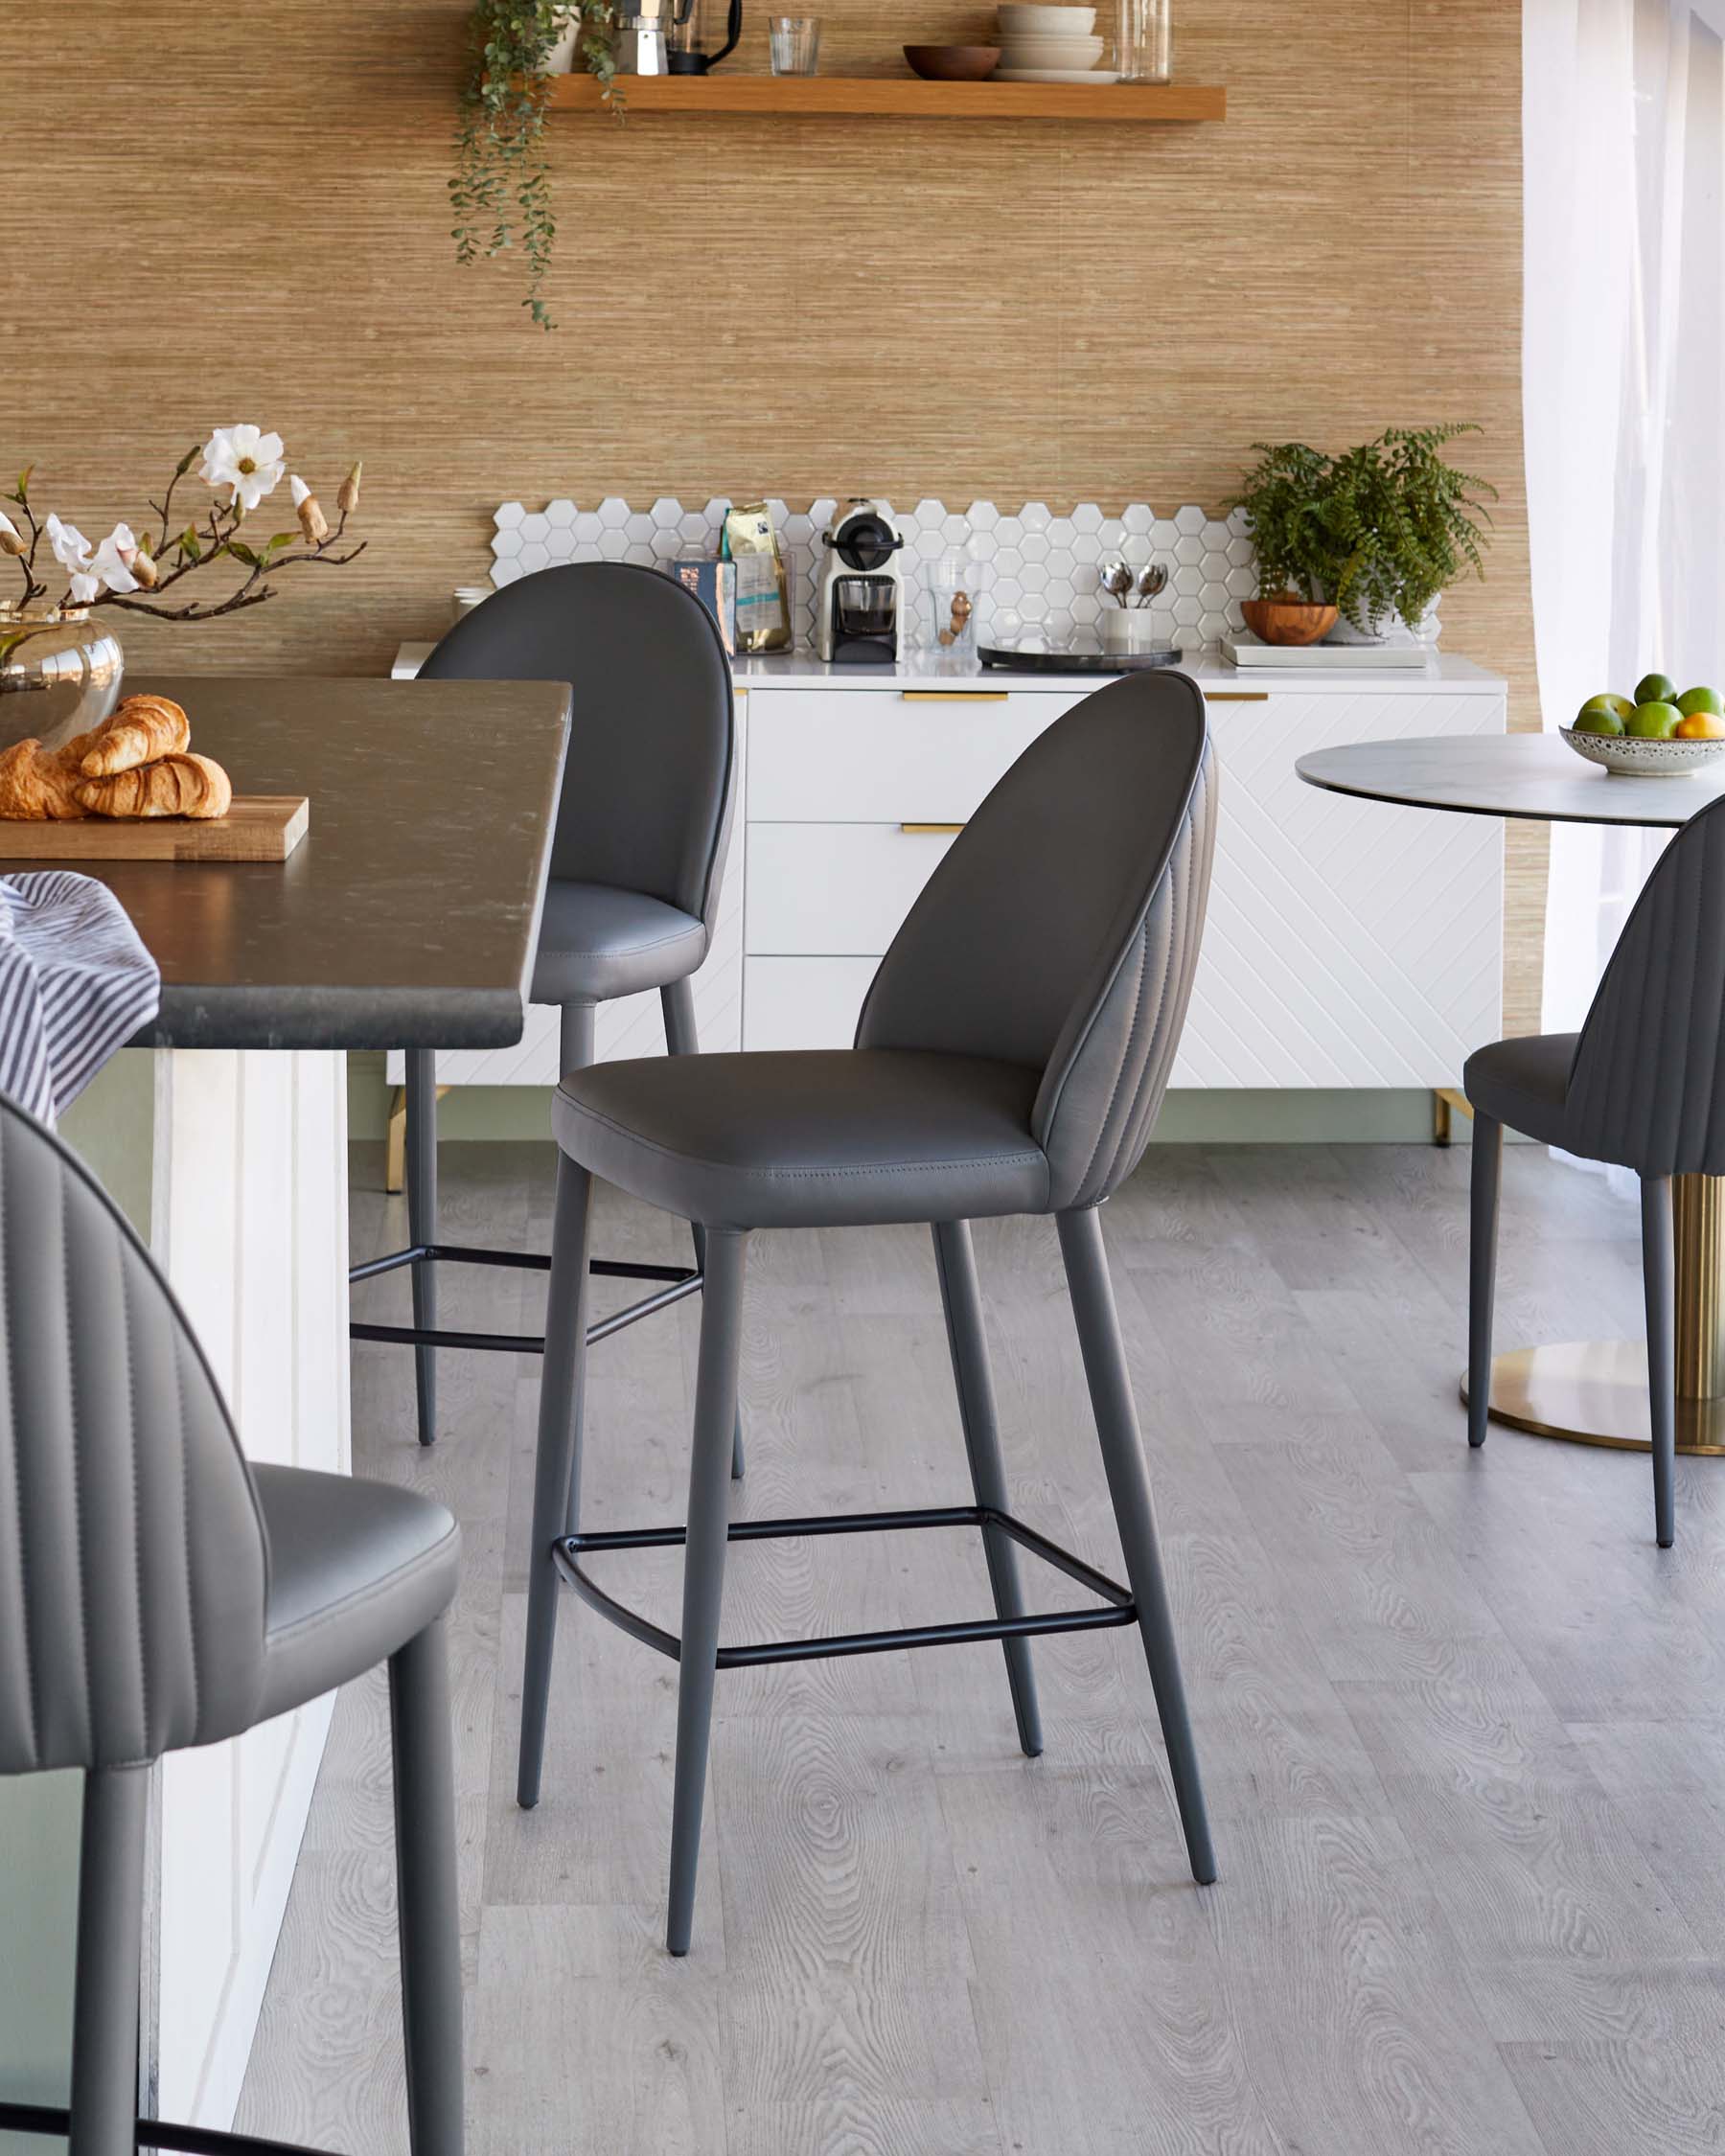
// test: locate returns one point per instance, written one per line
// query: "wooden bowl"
(952, 63)
(1287, 621)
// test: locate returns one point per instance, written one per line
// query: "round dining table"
(1594, 1392)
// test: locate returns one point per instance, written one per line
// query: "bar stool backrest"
(650, 774)
(1060, 931)
(132, 1565)
(1646, 1086)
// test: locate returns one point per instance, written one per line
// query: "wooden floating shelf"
(896, 97)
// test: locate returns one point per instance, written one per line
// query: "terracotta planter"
(1287, 621)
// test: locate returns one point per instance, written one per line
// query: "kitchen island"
(408, 915)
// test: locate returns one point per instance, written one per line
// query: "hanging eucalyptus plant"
(502, 188)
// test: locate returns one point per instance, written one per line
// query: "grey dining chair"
(1010, 1058)
(157, 1592)
(1642, 1085)
(638, 857)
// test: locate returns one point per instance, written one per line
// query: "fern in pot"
(1360, 546)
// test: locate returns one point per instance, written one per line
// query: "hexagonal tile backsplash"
(1041, 575)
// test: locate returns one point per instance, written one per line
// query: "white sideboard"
(1348, 944)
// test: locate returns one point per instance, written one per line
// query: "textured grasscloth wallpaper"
(220, 213)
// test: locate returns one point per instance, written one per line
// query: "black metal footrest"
(680, 1280)
(1117, 1607)
(152, 2133)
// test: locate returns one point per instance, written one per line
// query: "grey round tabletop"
(1532, 775)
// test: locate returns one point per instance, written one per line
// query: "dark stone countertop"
(408, 915)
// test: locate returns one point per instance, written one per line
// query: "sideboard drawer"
(922, 755)
(804, 1003)
(833, 889)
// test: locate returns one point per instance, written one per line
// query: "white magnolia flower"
(71, 548)
(11, 539)
(244, 460)
(112, 559)
(87, 588)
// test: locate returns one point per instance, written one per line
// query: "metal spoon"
(1116, 580)
(1150, 582)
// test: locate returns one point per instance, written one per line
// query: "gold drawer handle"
(930, 827)
(1236, 696)
(954, 696)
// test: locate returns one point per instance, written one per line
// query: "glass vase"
(60, 672)
(1145, 38)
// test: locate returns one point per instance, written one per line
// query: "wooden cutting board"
(258, 827)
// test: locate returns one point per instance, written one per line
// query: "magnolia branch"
(252, 594)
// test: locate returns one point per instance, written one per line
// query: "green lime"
(1655, 720)
(1655, 688)
(1700, 698)
(1595, 719)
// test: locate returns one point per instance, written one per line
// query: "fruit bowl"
(1632, 756)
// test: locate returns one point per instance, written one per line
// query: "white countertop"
(802, 670)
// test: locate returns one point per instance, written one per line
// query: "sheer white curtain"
(1624, 397)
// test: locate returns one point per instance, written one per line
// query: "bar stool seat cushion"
(597, 942)
(356, 1568)
(811, 1137)
(1525, 1083)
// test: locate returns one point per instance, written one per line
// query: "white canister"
(1131, 629)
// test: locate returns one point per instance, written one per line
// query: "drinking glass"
(1145, 41)
(795, 42)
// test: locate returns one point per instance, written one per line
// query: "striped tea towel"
(76, 983)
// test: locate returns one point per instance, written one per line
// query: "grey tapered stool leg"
(1658, 1276)
(956, 1262)
(1129, 1489)
(421, 1167)
(704, 1562)
(557, 1470)
(428, 1904)
(110, 1945)
(677, 1002)
(1481, 1268)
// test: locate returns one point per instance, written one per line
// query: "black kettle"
(685, 55)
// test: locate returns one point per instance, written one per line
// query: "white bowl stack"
(1046, 44)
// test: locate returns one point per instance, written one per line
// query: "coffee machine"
(860, 592)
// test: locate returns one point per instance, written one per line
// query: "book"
(1249, 655)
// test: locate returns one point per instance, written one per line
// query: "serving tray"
(1074, 662)
(257, 827)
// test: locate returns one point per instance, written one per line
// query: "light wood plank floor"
(1459, 1721)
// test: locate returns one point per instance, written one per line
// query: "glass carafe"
(690, 35)
(1145, 35)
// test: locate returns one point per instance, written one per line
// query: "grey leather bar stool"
(1641, 1086)
(636, 860)
(1010, 1058)
(156, 1592)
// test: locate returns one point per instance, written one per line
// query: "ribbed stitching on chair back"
(132, 1564)
(1061, 931)
(651, 772)
(1125, 1051)
(1645, 1081)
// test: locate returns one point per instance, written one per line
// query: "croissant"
(142, 729)
(35, 787)
(181, 785)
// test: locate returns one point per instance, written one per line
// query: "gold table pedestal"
(1595, 1392)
